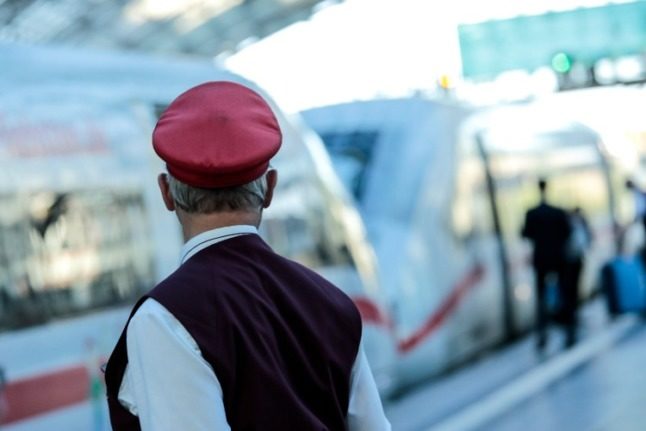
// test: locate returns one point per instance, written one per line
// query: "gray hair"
(247, 197)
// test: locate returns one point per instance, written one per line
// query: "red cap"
(218, 134)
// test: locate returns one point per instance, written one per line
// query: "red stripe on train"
(447, 307)
(46, 392)
(371, 313)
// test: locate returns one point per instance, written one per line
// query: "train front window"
(352, 154)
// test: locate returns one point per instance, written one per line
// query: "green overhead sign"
(530, 42)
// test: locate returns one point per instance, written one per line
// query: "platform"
(596, 385)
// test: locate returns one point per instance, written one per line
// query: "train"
(443, 188)
(83, 231)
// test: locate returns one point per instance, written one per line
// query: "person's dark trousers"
(566, 304)
(542, 317)
(570, 294)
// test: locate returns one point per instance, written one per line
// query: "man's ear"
(164, 188)
(272, 180)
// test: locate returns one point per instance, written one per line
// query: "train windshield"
(352, 153)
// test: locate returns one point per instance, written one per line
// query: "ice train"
(443, 189)
(83, 232)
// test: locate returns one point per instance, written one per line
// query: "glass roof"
(196, 27)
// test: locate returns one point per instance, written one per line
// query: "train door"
(480, 321)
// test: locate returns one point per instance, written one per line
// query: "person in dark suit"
(548, 228)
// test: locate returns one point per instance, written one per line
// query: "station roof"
(196, 27)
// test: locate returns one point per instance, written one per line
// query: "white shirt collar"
(213, 236)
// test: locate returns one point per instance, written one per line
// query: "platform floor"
(597, 385)
(607, 392)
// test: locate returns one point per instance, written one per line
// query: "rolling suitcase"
(624, 285)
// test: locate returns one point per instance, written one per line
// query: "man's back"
(281, 340)
(286, 339)
(548, 228)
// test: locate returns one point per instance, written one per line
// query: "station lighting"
(445, 82)
(561, 62)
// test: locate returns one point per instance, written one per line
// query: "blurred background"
(415, 136)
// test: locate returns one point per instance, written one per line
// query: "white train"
(83, 232)
(443, 190)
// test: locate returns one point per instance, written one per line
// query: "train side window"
(301, 224)
(575, 179)
(471, 210)
(68, 253)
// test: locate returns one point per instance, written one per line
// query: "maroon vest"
(281, 339)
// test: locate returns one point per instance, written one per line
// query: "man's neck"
(195, 224)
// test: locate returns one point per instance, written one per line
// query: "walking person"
(548, 228)
(578, 243)
(237, 337)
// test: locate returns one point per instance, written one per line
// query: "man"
(548, 228)
(237, 337)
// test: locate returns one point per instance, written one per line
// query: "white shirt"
(170, 386)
